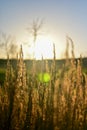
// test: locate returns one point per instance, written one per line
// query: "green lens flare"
(44, 77)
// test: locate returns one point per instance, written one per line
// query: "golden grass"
(60, 104)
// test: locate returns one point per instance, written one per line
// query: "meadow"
(43, 95)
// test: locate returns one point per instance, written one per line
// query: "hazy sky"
(61, 18)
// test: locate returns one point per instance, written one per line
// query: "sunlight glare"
(43, 47)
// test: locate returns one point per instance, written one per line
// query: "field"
(29, 63)
(43, 95)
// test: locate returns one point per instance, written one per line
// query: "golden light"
(43, 47)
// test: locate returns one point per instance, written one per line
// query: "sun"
(43, 47)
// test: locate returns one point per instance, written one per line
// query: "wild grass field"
(41, 95)
(59, 64)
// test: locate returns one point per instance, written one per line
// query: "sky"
(61, 18)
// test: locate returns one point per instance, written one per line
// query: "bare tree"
(35, 28)
(35, 31)
(4, 41)
(8, 44)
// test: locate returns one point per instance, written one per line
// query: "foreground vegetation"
(30, 103)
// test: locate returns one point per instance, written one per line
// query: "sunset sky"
(61, 18)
